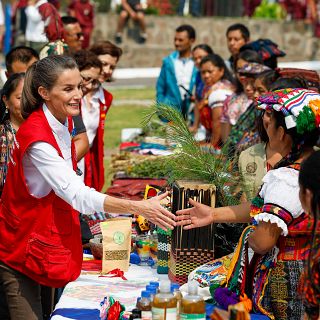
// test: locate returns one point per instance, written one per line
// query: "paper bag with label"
(116, 242)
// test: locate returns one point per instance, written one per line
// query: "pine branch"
(190, 161)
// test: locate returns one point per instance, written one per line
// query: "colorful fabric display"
(111, 309)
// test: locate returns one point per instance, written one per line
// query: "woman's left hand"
(198, 216)
(153, 211)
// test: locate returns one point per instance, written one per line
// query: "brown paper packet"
(116, 243)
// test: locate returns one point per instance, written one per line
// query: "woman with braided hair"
(280, 230)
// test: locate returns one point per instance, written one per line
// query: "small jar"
(143, 248)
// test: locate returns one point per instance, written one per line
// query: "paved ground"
(138, 82)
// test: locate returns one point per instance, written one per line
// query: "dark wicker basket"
(190, 248)
(96, 247)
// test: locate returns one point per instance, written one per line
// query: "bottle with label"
(164, 306)
(145, 306)
(192, 305)
(177, 293)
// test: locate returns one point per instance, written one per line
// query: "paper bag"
(116, 242)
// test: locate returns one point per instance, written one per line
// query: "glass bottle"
(164, 306)
(192, 305)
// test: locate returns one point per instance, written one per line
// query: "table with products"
(81, 298)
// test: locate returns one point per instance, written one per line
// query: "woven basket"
(190, 248)
(164, 246)
(183, 261)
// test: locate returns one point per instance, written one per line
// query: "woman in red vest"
(39, 219)
(100, 101)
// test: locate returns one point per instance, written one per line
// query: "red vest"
(94, 168)
(40, 237)
(53, 24)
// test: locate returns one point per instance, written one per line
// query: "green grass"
(119, 117)
(134, 94)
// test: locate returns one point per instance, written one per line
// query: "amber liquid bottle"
(192, 305)
(145, 306)
(164, 305)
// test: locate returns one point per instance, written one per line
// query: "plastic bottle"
(192, 305)
(149, 286)
(153, 291)
(138, 302)
(145, 306)
(176, 292)
(155, 284)
(164, 306)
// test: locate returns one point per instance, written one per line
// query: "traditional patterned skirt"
(281, 297)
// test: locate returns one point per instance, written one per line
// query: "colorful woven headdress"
(253, 68)
(301, 107)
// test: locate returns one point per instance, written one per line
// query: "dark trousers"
(20, 296)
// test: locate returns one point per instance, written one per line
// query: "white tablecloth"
(85, 294)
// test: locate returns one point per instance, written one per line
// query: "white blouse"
(91, 116)
(35, 25)
(45, 170)
(281, 189)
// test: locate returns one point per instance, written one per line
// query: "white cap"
(193, 288)
(165, 286)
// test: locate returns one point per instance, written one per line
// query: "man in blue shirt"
(178, 72)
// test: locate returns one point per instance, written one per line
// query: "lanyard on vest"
(72, 132)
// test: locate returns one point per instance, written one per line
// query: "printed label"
(116, 255)
(200, 316)
(118, 237)
(146, 315)
(164, 314)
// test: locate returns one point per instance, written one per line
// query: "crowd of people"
(265, 119)
(53, 106)
(37, 22)
(53, 110)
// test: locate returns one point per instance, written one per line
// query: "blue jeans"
(194, 7)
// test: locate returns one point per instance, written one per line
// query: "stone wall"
(295, 38)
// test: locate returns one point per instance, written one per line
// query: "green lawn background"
(121, 116)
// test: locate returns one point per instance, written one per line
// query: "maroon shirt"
(84, 12)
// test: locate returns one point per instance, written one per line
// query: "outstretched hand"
(198, 216)
(153, 211)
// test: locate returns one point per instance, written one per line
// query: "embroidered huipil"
(276, 274)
